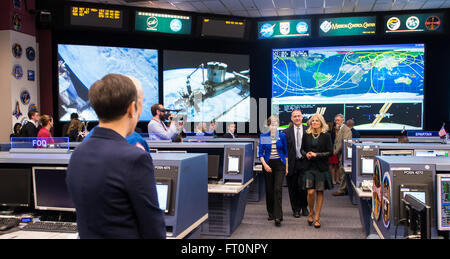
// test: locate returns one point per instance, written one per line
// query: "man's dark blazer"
(228, 135)
(323, 150)
(290, 136)
(29, 130)
(113, 187)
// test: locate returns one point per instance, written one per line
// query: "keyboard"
(52, 226)
(7, 221)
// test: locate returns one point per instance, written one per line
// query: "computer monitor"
(367, 165)
(50, 189)
(163, 189)
(233, 165)
(418, 215)
(15, 187)
(443, 201)
(396, 152)
(213, 166)
(443, 153)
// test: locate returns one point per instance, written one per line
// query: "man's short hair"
(296, 110)
(155, 107)
(339, 115)
(111, 96)
(31, 113)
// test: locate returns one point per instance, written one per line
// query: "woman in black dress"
(316, 147)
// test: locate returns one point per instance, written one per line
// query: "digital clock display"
(96, 17)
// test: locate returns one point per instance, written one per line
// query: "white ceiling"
(265, 8)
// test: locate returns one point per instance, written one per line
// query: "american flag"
(442, 132)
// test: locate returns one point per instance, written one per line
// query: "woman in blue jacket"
(273, 154)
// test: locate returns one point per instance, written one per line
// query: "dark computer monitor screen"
(15, 187)
(207, 86)
(80, 66)
(163, 189)
(443, 201)
(213, 166)
(50, 190)
(380, 87)
(418, 216)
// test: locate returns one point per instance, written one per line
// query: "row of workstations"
(195, 183)
(401, 189)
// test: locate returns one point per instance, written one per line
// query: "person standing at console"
(157, 130)
(294, 178)
(111, 182)
(273, 156)
(31, 129)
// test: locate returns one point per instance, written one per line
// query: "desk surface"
(361, 193)
(228, 188)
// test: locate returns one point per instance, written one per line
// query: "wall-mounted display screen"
(80, 66)
(348, 26)
(207, 86)
(380, 87)
(165, 23)
(426, 22)
(223, 28)
(96, 17)
(284, 29)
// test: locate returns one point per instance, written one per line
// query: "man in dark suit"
(294, 179)
(230, 131)
(111, 182)
(32, 127)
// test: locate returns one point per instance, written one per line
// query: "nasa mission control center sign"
(165, 23)
(347, 26)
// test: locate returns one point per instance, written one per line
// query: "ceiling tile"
(254, 13)
(382, 6)
(299, 4)
(333, 3)
(446, 4)
(248, 4)
(268, 12)
(243, 13)
(300, 11)
(285, 11)
(317, 10)
(333, 10)
(185, 6)
(283, 4)
(433, 4)
(200, 7)
(233, 5)
(264, 4)
(314, 4)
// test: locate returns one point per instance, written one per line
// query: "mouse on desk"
(7, 226)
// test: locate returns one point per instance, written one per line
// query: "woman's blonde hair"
(323, 126)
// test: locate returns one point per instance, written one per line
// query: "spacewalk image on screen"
(79, 66)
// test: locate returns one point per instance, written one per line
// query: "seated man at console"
(112, 183)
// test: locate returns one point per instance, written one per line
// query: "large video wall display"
(80, 66)
(380, 87)
(207, 86)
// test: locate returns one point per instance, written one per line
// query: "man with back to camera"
(111, 182)
(156, 127)
(32, 127)
(343, 133)
(294, 178)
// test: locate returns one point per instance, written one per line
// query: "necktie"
(299, 143)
